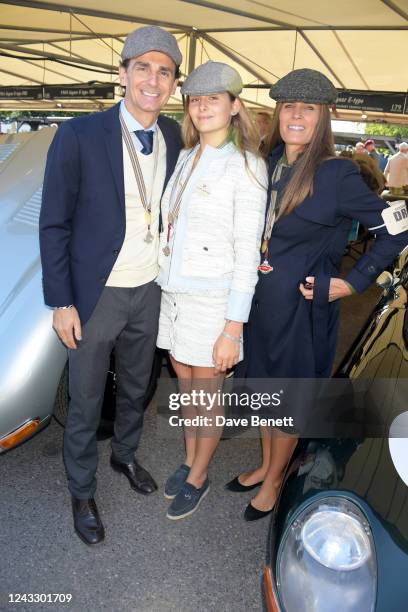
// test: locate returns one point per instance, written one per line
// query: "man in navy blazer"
(99, 228)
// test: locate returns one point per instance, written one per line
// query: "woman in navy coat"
(313, 196)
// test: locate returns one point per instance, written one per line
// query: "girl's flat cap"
(212, 77)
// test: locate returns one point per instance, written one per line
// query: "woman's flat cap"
(304, 85)
(212, 77)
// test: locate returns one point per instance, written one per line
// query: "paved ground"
(212, 561)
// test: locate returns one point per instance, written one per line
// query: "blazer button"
(371, 269)
(116, 252)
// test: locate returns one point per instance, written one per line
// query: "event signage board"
(52, 92)
(382, 103)
(21, 93)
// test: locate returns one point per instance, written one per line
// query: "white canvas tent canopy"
(362, 45)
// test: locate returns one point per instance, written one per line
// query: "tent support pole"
(192, 51)
(391, 5)
(61, 8)
(321, 58)
(26, 78)
(46, 55)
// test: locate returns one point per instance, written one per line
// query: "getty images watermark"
(309, 408)
(212, 402)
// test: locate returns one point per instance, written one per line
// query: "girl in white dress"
(213, 215)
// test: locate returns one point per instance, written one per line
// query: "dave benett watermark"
(214, 401)
(254, 420)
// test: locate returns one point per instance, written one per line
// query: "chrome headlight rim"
(319, 498)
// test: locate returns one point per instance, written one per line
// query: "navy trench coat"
(286, 335)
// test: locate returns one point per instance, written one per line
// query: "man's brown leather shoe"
(87, 522)
(139, 478)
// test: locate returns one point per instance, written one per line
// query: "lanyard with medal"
(265, 266)
(175, 197)
(147, 204)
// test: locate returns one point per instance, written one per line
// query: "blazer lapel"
(113, 142)
(273, 159)
(172, 148)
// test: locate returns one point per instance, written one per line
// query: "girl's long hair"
(244, 132)
(320, 148)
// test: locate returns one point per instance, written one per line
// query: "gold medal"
(148, 217)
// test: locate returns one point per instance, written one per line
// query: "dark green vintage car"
(338, 538)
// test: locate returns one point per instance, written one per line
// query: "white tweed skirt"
(189, 326)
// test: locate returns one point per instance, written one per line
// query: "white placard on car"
(396, 217)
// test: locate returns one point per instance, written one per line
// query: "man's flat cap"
(151, 38)
(212, 77)
(304, 85)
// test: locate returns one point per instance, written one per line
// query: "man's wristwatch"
(63, 307)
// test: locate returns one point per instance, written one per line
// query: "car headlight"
(336, 540)
(326, 560)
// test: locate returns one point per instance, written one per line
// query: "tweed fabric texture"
(151, 38)
(189, 326)
(212, 77)
(304, 85)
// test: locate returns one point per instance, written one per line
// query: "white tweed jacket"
(216, 240)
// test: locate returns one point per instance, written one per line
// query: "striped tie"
(146, 139)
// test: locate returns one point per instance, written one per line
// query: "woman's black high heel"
(253, 514)
(235, 486)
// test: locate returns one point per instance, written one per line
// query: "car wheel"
(108, 410)
(62, 398)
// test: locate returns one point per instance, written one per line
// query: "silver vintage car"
(32, 359)
(33, 362)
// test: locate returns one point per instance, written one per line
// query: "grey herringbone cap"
(212, 77)
(304, 85)
(151, 38)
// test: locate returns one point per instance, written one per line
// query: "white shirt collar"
(132, 124)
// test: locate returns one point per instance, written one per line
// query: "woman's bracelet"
(236, 339)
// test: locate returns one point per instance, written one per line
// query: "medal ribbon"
(265, 267)
(175, 198)
(147, 205)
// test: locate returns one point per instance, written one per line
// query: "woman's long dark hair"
(318, 150)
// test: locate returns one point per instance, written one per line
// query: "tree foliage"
(383, 129)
